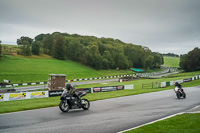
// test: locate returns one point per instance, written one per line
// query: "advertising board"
(88, 90)
(55, 93)
(186, 80)
(108, 88)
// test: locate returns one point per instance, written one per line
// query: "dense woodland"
(191, 61)
(98, 53)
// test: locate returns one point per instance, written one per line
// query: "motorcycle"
(179, 92)
(70, 101)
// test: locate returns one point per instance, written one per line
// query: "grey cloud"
(160, 25)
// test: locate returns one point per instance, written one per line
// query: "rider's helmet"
(176, 83)
(68, 86)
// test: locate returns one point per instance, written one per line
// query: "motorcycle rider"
(72, 90)
(69, 88)
(178, 85)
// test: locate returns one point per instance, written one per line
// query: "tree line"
(171, 55)
(98, 53)
(191, 61)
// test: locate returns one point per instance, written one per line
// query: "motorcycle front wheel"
(85, 104)
(64, 106)
(178, 94)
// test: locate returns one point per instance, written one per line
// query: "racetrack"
(105, 116)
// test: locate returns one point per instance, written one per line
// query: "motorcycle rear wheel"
(85, 104)
(64, 106)
(184, 95)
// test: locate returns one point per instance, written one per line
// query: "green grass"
(171, 61)
(19, 69)
(185, 123)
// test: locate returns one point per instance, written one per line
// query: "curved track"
(105, 116)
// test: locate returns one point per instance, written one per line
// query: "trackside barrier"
(170, 83)
(24, 95)
(42, 94)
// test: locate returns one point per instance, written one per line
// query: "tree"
(59, 48)
(39, 37)
(191, 61)
(48, 44)
(26, 48)
(157, 60)
(121, 61)
(148, 62)
(36, 48)
(108, 60)
(183, 62)
(94, 58)
(24, 38)
(74, 50)
(84, 55)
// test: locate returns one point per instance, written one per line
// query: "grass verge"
(185, 123)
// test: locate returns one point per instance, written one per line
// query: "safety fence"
(170, 83)
(152, 85)
(43, 94)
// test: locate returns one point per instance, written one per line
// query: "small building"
(56, 81)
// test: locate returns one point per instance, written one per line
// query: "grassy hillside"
(19, 69)
(171, 61)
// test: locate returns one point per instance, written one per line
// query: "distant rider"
(178, 85)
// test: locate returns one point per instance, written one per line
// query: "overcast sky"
(162, 25)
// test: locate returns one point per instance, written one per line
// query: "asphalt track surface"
(104, 116)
